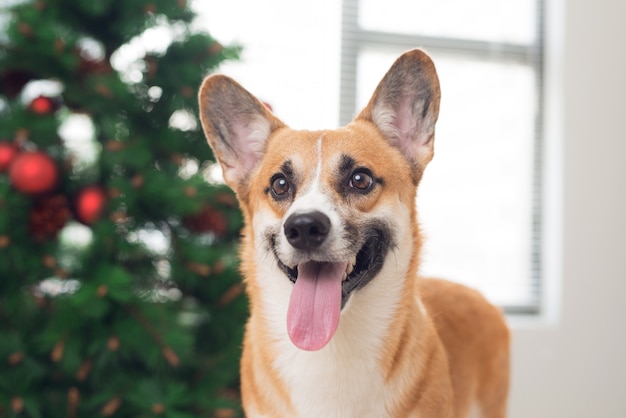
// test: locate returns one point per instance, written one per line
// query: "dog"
(340, 323)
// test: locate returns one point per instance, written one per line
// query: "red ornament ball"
(33, 173)
(43, 105)
(90, 204)
(8, 151)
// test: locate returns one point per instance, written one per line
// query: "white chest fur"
(341, 380)
(345, 378)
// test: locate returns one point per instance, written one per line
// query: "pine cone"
(208, 220)
(48, 215)
(12, 81)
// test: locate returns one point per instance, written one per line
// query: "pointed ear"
(236, 125)
(405, 107)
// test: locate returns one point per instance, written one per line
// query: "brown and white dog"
(340, 324)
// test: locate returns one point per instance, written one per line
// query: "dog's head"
(324, 210)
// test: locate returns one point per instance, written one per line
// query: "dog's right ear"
(405, 107)
(236, 125)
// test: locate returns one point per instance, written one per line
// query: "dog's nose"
(307, 231)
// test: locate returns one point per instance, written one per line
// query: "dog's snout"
(307, 231)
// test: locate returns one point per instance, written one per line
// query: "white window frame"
(354, 38)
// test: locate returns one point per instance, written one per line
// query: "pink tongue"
(315, 304)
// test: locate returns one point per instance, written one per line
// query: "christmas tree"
(119, 289)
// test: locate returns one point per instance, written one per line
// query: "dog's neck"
(371, 330)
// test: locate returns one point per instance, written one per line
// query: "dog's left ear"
(405, 107)
(237, 126)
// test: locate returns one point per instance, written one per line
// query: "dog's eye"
(361, 180)
(280, 185)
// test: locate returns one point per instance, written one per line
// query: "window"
(479, 202)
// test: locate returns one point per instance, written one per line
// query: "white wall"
(575, 366)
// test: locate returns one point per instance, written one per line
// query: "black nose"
(307, 231)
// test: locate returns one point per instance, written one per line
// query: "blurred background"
(524, 199)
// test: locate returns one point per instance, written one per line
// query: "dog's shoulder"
(461, 310)
(476, 340)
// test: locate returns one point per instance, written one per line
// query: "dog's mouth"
(322, 288)
(359, 271)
